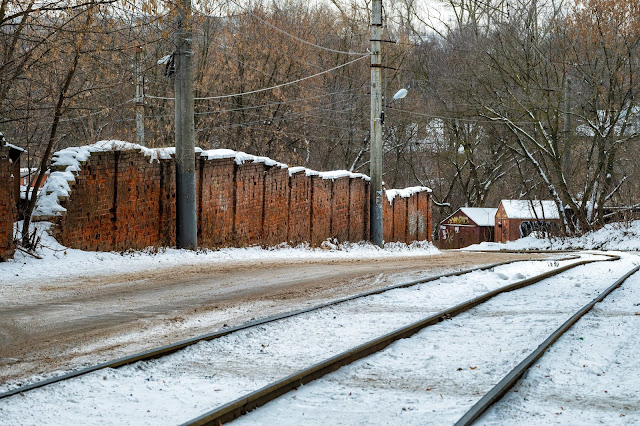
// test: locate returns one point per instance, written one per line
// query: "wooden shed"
(467, 226)
(518, 218)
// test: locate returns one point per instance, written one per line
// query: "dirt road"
(67, 325)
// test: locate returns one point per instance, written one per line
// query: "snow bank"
(59, 261)
(404, 193)
(614, 236)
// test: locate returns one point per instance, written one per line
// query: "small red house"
(518, 218)
(467, 226)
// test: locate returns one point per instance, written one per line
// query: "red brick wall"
(275, 224)
(320, 209)
(340, 209)
(247, 228)
(88, 223)
(299, 230)
(400, 219)
(424, 216)
(358, 210)
(7, 206)
(122, 201)
(216, 202)
(387, 219)
(412, 218)
(407, 219)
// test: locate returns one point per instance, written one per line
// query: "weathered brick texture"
(275, 222)
(299, 230)
(7, 206)
(340, 209)
(320, 209)
(407, 219)
(249, 204)
(358, 210)
(400, 219)
(120, 200)
(216, 204)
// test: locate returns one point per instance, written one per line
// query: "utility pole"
(375, 145)
(186, 215)
(139, 98)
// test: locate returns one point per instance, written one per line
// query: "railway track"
(329, 312)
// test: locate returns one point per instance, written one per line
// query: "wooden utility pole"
(139, 98)
(186, 215)
(375, 148)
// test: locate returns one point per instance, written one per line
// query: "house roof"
(530, 209)
(480, 215)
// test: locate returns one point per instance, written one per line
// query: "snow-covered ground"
(61, 262)
(435, 376)
(173, 389)
(614, 236)
(587, 377)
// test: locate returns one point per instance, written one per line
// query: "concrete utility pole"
(139, 98)
(375, 162)
(186, 215)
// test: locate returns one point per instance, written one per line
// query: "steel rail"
(174, 347)
(499, 390)
(249, 402)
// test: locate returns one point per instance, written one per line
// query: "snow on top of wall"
(522, 209)
(69, 161)
(240, 157)
(480, 215)
(404, 193)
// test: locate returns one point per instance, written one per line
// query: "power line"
(295, 37)
(267, 88)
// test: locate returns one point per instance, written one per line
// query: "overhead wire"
(293, 36)
(266, 88)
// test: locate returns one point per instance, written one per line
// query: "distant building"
(518, 218)
(467, 226)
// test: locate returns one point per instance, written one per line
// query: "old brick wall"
(400, 220)
(320, 209)
(408, 219)
(299, 229)
(7, 206)
(358, 210)
(216, 203)
(275, 224)
(121, 200)
(89, 223)
(340, 209)
(249, 204)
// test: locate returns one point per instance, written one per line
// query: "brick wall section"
(135, 208)
(299, 229)
(248, 204)
(340, 209)
(412, 218)
(88, 223)
(122, 201)
(216, 203)
(408, 219)
(275, 222)
(358, 210)
(167, 203)
(424, 216)
(7, 206)
(400, 219)
(320, 209)
(387, 219)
